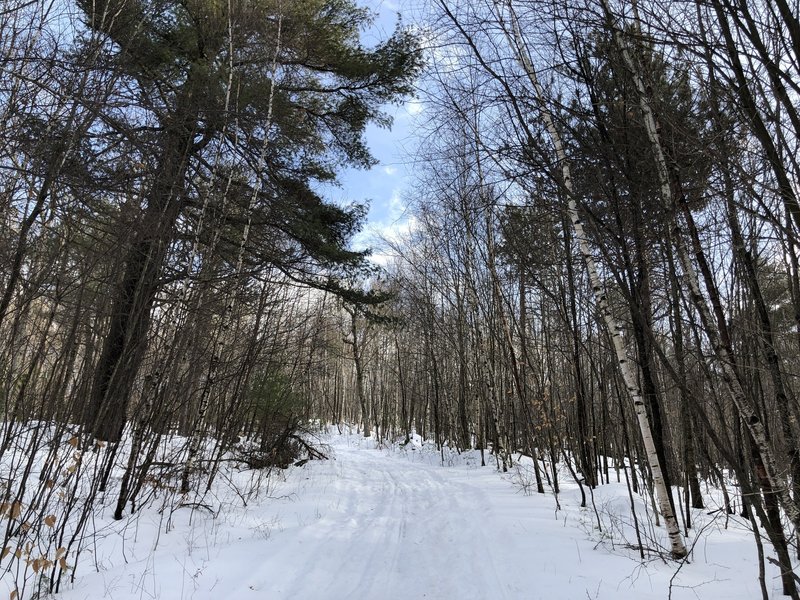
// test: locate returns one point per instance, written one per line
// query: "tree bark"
(614, 330)
(134, 295)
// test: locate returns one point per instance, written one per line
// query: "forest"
(599, 272)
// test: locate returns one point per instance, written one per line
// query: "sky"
(384, 187)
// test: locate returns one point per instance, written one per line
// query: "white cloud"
(396, 205)
(391, 231)
(384, 237)
(414, 107)
(389, 170)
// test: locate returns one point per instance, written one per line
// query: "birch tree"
(614, 330)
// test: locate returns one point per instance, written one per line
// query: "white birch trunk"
(740, 399)
(613, 328)
(221, 335)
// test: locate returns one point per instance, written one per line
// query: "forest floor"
(394, 522)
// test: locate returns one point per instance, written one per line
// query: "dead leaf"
(50, 520)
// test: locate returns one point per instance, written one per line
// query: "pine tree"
(248, 103)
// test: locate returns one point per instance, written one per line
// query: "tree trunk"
(613, 328)
(133, 298)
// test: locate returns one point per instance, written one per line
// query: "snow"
(393, 522)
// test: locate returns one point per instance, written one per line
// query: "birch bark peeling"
(723, 353)
(613, 328)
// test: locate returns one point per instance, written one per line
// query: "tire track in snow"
(414, 522)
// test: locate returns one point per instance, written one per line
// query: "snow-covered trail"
(394, 524)
(389, 526)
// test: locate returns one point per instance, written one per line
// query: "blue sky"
(383, 186)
